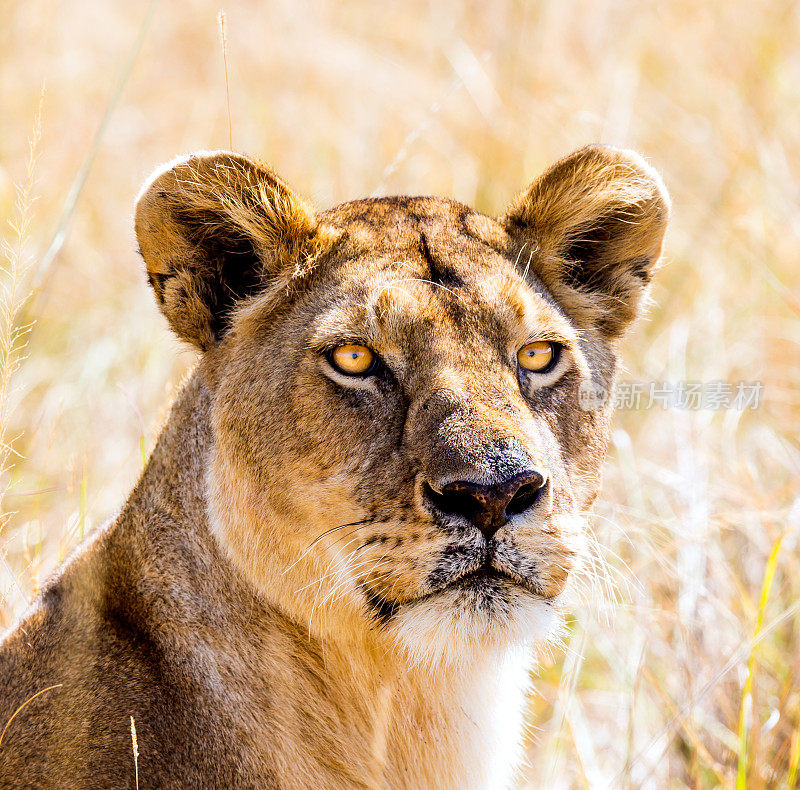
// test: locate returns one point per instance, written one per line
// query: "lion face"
(398, 442)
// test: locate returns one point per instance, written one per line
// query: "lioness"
(365, 505)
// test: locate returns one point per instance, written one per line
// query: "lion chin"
(477, 618)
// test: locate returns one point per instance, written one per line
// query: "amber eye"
(352, 359)
(538, 357)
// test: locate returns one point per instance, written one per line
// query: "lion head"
(399, 447)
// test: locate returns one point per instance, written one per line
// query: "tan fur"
(280, 602)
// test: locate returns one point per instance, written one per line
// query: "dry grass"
(470, 100)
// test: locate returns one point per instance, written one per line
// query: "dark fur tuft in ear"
(594, 224)
(215, 228)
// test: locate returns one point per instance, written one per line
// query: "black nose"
(488, 507)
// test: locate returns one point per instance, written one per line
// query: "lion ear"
(594, 224)
(214, 228)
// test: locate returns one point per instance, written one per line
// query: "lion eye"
(353, 360)
(538, 357)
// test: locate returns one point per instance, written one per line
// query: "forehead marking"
(439, 273)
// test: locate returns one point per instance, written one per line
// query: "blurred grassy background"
(472, 100)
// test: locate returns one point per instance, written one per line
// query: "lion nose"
(488, 507)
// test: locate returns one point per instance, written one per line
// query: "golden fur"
(290, 598)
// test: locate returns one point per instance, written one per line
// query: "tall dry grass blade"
(685, 725)
(415, 134)
(224, 42)
(71, 202)
(135, 745)
(13, 330)
(84, 486)
(794, 760)
(746, 711)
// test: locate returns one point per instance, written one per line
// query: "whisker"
(327, 575)
(325, 534)
(330, 599)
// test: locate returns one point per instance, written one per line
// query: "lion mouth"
(489, 576)
(481, 576)
(484, 569)
(484, 579)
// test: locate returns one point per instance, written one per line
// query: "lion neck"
(356, 711)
